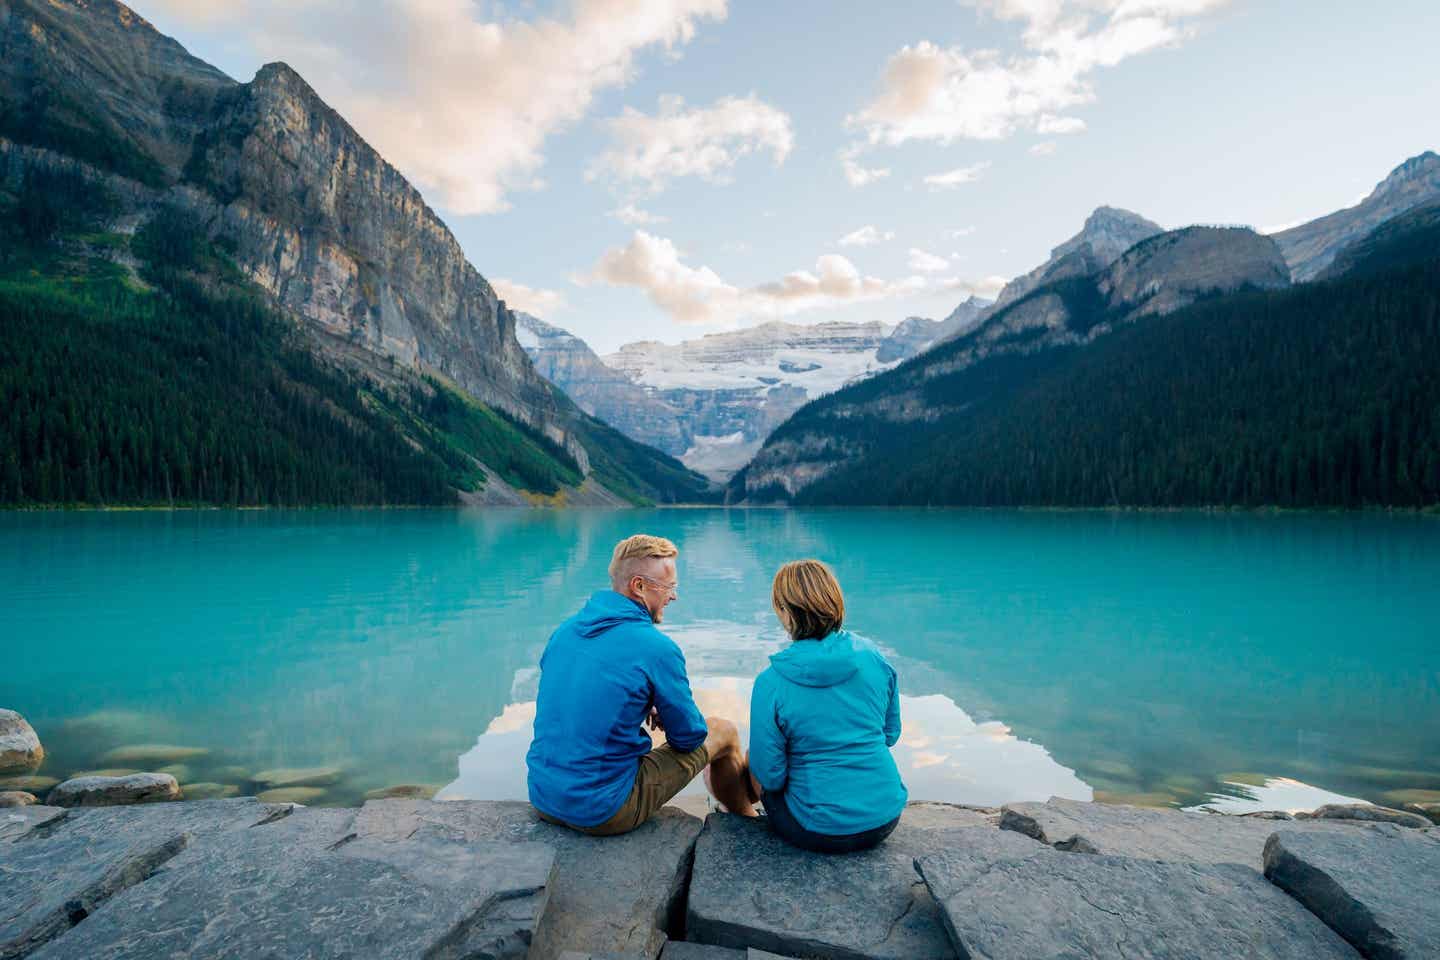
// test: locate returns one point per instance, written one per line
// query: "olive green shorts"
(663, 773)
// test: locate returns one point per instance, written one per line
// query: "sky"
(661, 169)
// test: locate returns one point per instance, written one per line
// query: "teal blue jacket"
(823, 718)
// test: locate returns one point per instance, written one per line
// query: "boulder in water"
(210, 791)
(291, 795)
(404, 791)
(114, 791)
(20, 747)
(32, 784)
(153, 753)
(16, 798)
(300, 776)
(1366, 812)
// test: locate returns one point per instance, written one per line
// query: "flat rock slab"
(1375, 888)
(681, 950)
(1005, 897)
(610, 895)
(1151, 834)
(15, 822)
(66, 864)
(306, 886)
(751, 889)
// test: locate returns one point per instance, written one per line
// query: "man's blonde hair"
(631, 550)
(807, 599)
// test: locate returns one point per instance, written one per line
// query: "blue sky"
(539, 130)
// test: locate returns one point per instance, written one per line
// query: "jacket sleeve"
(892, 709)
(684, 724)
(768, 747)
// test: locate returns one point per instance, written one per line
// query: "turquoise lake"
(1239, 660)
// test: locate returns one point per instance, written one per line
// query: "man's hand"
(654, 720)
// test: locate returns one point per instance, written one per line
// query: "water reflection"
(1270, 793)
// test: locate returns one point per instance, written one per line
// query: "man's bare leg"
(728, 776)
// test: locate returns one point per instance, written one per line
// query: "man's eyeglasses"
(670, 588)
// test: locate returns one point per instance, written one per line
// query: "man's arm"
(681, 720)
(768, 748)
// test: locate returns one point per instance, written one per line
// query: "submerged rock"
(1375, 887)
(1148, 833)
(751, 889)
(611, 895)
(16, 798)
(71, 861)
(324, 892)
(147, 754)
(300, 777)
(404, 791)
(292, 795)
(113, 791)
(20, 747)
(1006, 897)
(1366, 812)
(32, 784)
(106, 772)
(210, 791)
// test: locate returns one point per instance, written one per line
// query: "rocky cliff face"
(915, 335)
(1310, 247)
(314, 216)
(1106, 234)
(1156, 276)
(569, 363)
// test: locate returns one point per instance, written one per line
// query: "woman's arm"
(892, 709)
(768, 748)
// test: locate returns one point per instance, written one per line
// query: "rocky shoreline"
(110, 866)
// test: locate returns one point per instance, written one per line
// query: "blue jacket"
(822, 720)
(601, 672)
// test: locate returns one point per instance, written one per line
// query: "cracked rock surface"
(1005, 897)
(1151, 834)
(1375, 888)
(610, 895)
(66, 864)
(306, 886)
(751, 889)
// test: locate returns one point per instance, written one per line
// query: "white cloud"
(866, 236)
(462, 105)
(698, 295)
(927, 262)
(934, 93)
(1042, 149)
(1051, 124)
(956, 177)
(532, 300)
(856, 174)
(959, 232)
(635, 217)
(703, 142)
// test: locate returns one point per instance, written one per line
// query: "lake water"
(1239, 660)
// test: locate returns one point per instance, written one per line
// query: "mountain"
(729, 390)
(569, 363)
(1106, 234)
(914, 335)
(1411, 238)
(276, 196)
(1157, 276)
(1310, 247)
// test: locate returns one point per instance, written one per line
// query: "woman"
(822, 720)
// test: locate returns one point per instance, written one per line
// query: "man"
(605, 673)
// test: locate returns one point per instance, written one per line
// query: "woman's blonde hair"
(807, 599)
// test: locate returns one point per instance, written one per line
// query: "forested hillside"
(1321, 395)
(144, 370)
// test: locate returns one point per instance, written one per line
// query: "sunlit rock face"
(307, 208)
(1310, 247)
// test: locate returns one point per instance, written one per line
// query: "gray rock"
(68, 862)
(1367, 812)
(610, 895)
(680, 950)
(300, 777)
(1376, 888)
(16, 798)
(17, 821)
(20, 748)
(1148, 833)
(307, 886)
(114, 791)
(751, 889)
(1005, 897)
(1430, 811)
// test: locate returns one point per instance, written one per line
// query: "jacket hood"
(606, 609)
(819, 663)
